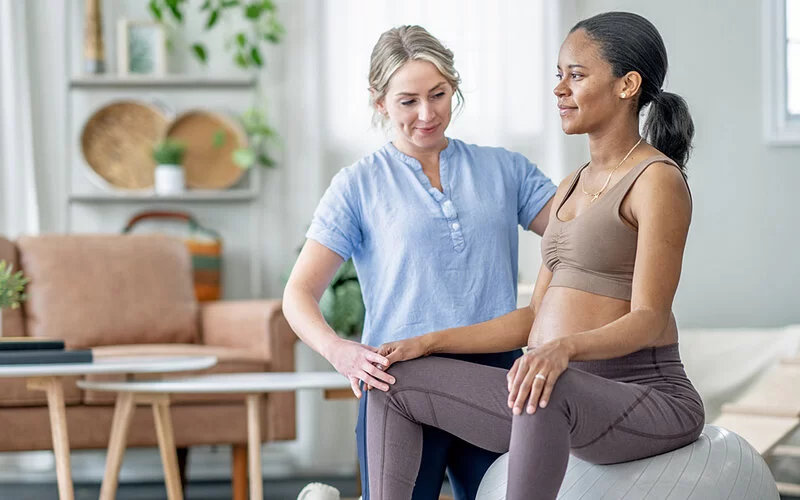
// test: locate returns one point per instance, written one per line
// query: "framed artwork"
(141, 48)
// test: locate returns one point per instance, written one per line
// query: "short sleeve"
(335, 223)
(535, 190)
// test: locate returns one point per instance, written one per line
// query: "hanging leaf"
(206, 5)
(240, 60)
(253, 11)
(241, 40)
(212, 19)
(230, 3)
(174, 7)
(155, 10)
(266, 160)
(200, 51)
(255, 55)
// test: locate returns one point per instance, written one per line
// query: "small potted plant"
(169, 175)
(12, 288)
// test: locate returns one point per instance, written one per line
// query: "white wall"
(741, 266)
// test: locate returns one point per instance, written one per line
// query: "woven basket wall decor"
(117, 142)
(209, 163)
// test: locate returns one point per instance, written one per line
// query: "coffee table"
(252, 386)
(47, 378)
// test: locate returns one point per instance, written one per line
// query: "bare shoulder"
(662, 181)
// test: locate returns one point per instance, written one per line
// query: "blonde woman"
(431, 224)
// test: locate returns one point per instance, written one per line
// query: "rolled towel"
(319, 491)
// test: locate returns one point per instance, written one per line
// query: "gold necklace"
(597, 194)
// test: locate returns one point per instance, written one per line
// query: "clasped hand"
(533, 376)
(359, 362)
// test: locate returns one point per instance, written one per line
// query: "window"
(781, 32)
(793, 57)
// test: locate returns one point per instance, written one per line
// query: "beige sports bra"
(595, 252)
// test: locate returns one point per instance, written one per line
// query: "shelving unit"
(92, 205)
(180, 81)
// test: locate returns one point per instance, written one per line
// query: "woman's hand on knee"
(359, 362)
(404, 350)
(533, 376)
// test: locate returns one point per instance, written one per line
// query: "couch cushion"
(95, 290)
(13, 325)
(230, 360)
(14, 392)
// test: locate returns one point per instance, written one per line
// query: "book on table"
(31, 351)
(29, 343)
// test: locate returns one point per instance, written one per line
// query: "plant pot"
(170, 179)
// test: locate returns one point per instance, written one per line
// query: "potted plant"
(342, 304)
(12, 288)
(169, 175)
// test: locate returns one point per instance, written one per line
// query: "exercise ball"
(719, 465)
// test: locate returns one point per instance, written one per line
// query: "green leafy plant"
(246, 45)
(341, 304)
(169, 152)
(261, 137)
(12, 286)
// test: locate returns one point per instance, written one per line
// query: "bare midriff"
(568, 311)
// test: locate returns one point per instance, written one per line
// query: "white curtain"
(19, 208)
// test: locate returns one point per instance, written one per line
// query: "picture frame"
(141, 48)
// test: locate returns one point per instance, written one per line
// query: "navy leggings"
(465, 463)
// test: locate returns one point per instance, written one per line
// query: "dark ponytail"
(669, 127)
(630, 42)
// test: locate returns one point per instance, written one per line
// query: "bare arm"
(311, 275)
(539, 223)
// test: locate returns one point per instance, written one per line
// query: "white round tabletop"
(122, 364)
(228, 383)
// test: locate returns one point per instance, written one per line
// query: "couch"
(133, 295)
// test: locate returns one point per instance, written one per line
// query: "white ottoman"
(719, 465)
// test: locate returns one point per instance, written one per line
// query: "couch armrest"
(259, 326)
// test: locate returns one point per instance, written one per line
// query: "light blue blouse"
(426, 259)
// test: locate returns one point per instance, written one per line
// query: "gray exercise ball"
(719, 465)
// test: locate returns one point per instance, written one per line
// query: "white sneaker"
(319, 491)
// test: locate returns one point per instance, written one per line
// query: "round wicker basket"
(208, 161)
(117, 142)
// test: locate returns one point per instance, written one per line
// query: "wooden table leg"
(58, 428)
(166, 445)
(239, 472)
(120, 424)
(254, 446)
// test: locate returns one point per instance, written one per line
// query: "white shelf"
(176, 80)
(149, 197)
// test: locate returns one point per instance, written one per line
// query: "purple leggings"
(603, 412)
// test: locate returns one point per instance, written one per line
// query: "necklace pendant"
(594, 197)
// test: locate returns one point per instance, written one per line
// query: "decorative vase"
(93, 52)
(170, 179)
